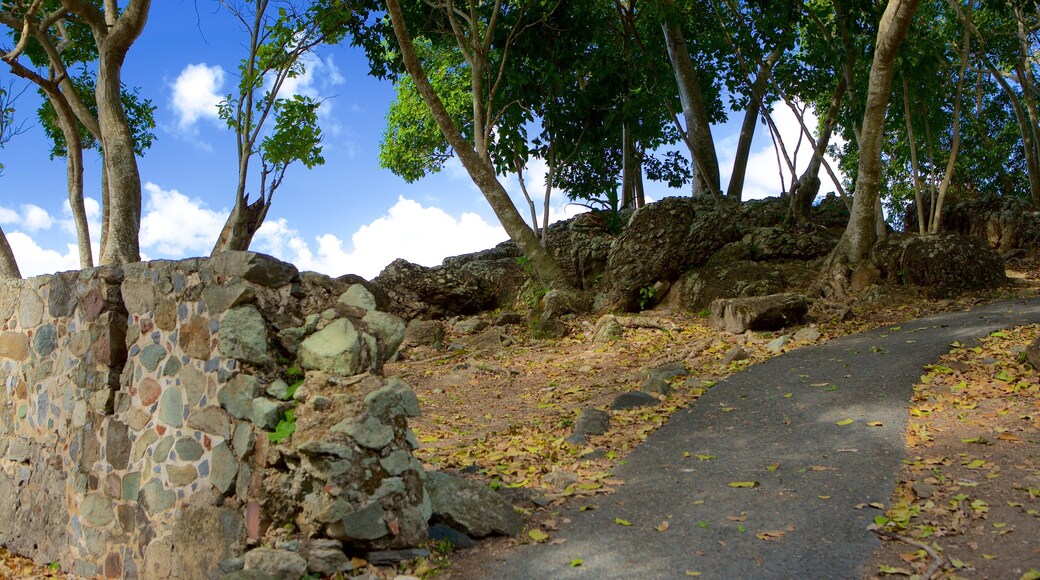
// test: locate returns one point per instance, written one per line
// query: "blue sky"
(348, 216)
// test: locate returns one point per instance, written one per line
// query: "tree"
(8, 130)
(281, 37)
(860, 234)
(474, 27)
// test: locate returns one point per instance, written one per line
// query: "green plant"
(285, 428)
(525, 263)
(704, 313)
(646, 296)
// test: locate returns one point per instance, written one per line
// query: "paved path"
(748, 423)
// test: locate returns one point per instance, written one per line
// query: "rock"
(46, 340)
(607, 329)
(392, 557)
(154, 498)
(924, 490)
(698, 288)
(278, 389)
(253, 267)
(416, 291)
(204, 542)
(778, 344)
(634, 400)
(243, 335)
(1005, 223)
(117, 444)
(151, 355)
(865, 275)
(220, 298)
(280, 563)
(470, 507)
(577, 439)
(734, 354)
(807, 334)
(97, 510)
(1032, 353)
(334, 349)
(444, 533)
(14, 345)
(188, 449)
(559, 479)
(266, 413)
(508, 319)
(655, 386)
(328, 561)
(389, 329)
(171, 407)
(944, 265)
(370, 432)
(669, 371)
(424, 333)
(366, 524)
(471, 325)
(395, 397)
(738, 315)
(223, 468)
(237, 396)
(358, 296)
(212, 420)
(194, 338)
(592, 422)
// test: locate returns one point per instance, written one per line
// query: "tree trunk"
(240, 227)
(807, 186)
(74, 169)
(124, 179)
(914, 167)
(8, 265)
(936, 221)
(860, 234)
(478, 166)
(698, 127)
(629, 167)
(747, 128)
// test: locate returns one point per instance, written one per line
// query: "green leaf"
(844, 422)
(743, 484)
(577, 562)
(705, 457)
(702, 524)
(622, 522)
(285, 428)
(538, 535)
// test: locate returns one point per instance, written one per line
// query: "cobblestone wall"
(137, 403)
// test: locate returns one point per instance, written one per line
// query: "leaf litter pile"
(968, 500)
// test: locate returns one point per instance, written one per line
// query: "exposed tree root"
(937, 559)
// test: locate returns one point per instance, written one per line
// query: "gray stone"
(424, 333)
(181, 475)
(212, 420)
(366, 523)
(151, 355)
(221, 298)
(223, 468)
(203, 539)
(470, 325)
(328, 561)
(117, 444)
(61, 299)
(130, 486)
(592, 422)
(46, 340)
(171, 407)
(333, 349)
(508, 319)
(607, 329)
(470, 507)
(1033, 353)
(392, 557)
(807, 334)
(30, 308)
(154, 498)
(237, 396)
(370, 433)
(773, 312)
(172, 367)
(316, 447)
(397, 462)
(97, 510)
(778, 343)
(734, 354)
(389, 329)
(669, 371)
(443, 533)
(393, 398)
(633, 400)
(243, 335)
(188, 449)
(558, 479)
(577, 439)
(359, 296)
(655, 385)
(194, 383)
(162, 449)
(278, 389)
(243, 440)
(257, 268)
(266, 413)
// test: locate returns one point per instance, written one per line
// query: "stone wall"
(137, 403)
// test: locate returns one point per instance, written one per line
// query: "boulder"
(1005, 223)
(592, 421)
(418, 291)
(661, 241)
(334, 349)
(607, 329)
(278, 563)
(944, 265)
(738, 315)
(470, 507)
(699, 288)
(253, 267)
(778, 243)
(1033, 353)
(634, 400)
(423, 333)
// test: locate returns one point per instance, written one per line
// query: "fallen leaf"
(577, 562)
(705, 457)
(770, 536)
(692, 573)
(844, 422)
(788, 395)
(824, 496)
(663, 527)
(622, 522)
(538, 535)
(890, 571)
(743, 484)
(773, 467)
(875, 424)
(740, 518)
(1009, 437)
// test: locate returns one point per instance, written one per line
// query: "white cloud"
(176, 225)
(36, 218)
(34, 260)
(8, 216)
(196, 93)
(423, 235)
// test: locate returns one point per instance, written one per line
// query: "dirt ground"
(497, 405)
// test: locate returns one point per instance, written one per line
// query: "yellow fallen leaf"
(705, 457)
(743, 484)
(773, 467)
(692, 573)
(844, 422)
(622, 522)
(875, 424)
(538, 535)
(770, 536)
(663, 527)
(824, 496)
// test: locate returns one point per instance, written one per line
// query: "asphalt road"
(784, 411)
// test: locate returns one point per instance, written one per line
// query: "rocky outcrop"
(696, 289)
(1005, 223)
(738, 315)
(470, 507)
(416, 291)
(944, 265)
